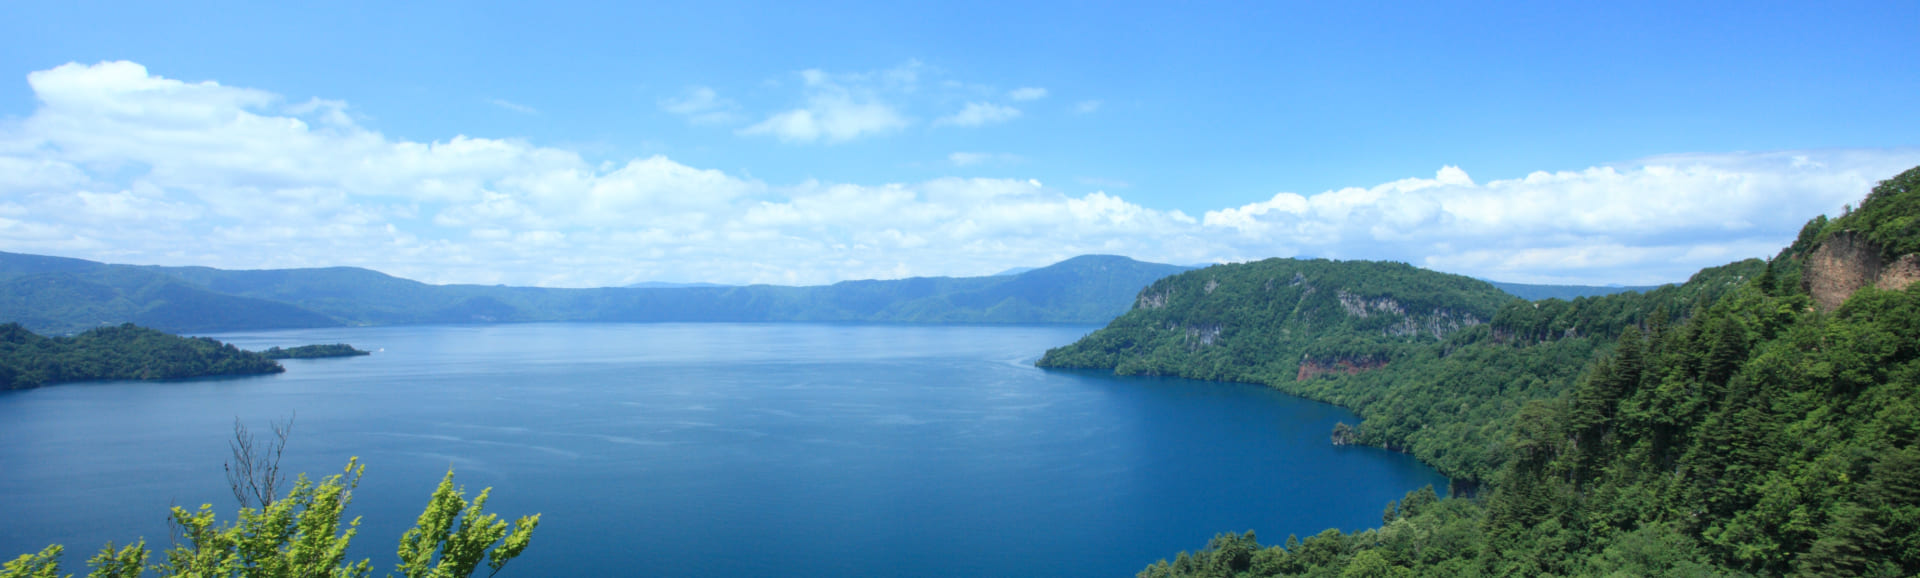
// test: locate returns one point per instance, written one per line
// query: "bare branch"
(254, 473)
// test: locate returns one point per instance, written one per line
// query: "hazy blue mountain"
(1564, 292)
(62, 296)
(59, 295)
(1014, 271)
(668, 285)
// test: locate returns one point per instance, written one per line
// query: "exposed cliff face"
(1847, 261)
(1902, 273)
(1438, 323)
(1198, 336)
(1148, 299)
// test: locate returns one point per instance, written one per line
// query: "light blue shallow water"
(718, 450)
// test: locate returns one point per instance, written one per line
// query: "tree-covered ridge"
(1889, 217)
(1447, 359)
(1605, 317)
(122, 352)
(66, 302)
(1757, 435)
(313, 351)
(1246, 321)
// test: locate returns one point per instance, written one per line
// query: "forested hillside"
(56, 295)
(1733, 426)
(121, 352)
(65, 296)
(1434, 363)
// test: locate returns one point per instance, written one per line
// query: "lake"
(716, 450)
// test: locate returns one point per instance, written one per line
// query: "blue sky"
(584, 144)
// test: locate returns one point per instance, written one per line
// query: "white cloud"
(978, 114)
(1086, 106)
(1657, 219)
(120, 165)
(1027, 93)
(831, 119)
(701, 105)
(839, 109)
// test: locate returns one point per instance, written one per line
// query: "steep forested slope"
(1760, 433)
(1435, 363)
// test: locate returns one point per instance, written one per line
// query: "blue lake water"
(717, 450)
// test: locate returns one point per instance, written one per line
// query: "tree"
(296, 536)
(462, 549)
(126, 562)
(44, 564)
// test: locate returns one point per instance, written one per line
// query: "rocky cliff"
(1847, 261)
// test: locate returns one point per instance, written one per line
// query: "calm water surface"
(717, 450)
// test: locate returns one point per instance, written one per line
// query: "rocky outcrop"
(1150, 300)
(1437, 323)
(1357, 306)
(1902, 273)
(1199, 336)
(1345, 435)
(1847, 261)
(1311, 368)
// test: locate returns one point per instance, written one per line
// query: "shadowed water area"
(717, 449)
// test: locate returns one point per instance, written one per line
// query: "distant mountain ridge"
(671, 285)
(1565, 292)
(61, 296)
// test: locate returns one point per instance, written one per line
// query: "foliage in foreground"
(303, 535)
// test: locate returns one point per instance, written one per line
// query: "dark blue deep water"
(717, 450)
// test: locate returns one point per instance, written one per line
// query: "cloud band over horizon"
(120, 165)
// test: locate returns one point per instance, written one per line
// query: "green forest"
(119, 352)
(1725, 426)
(1434, 363)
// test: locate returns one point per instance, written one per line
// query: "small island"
(314, 351)
(127, 351)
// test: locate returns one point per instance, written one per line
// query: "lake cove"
(717, 449)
